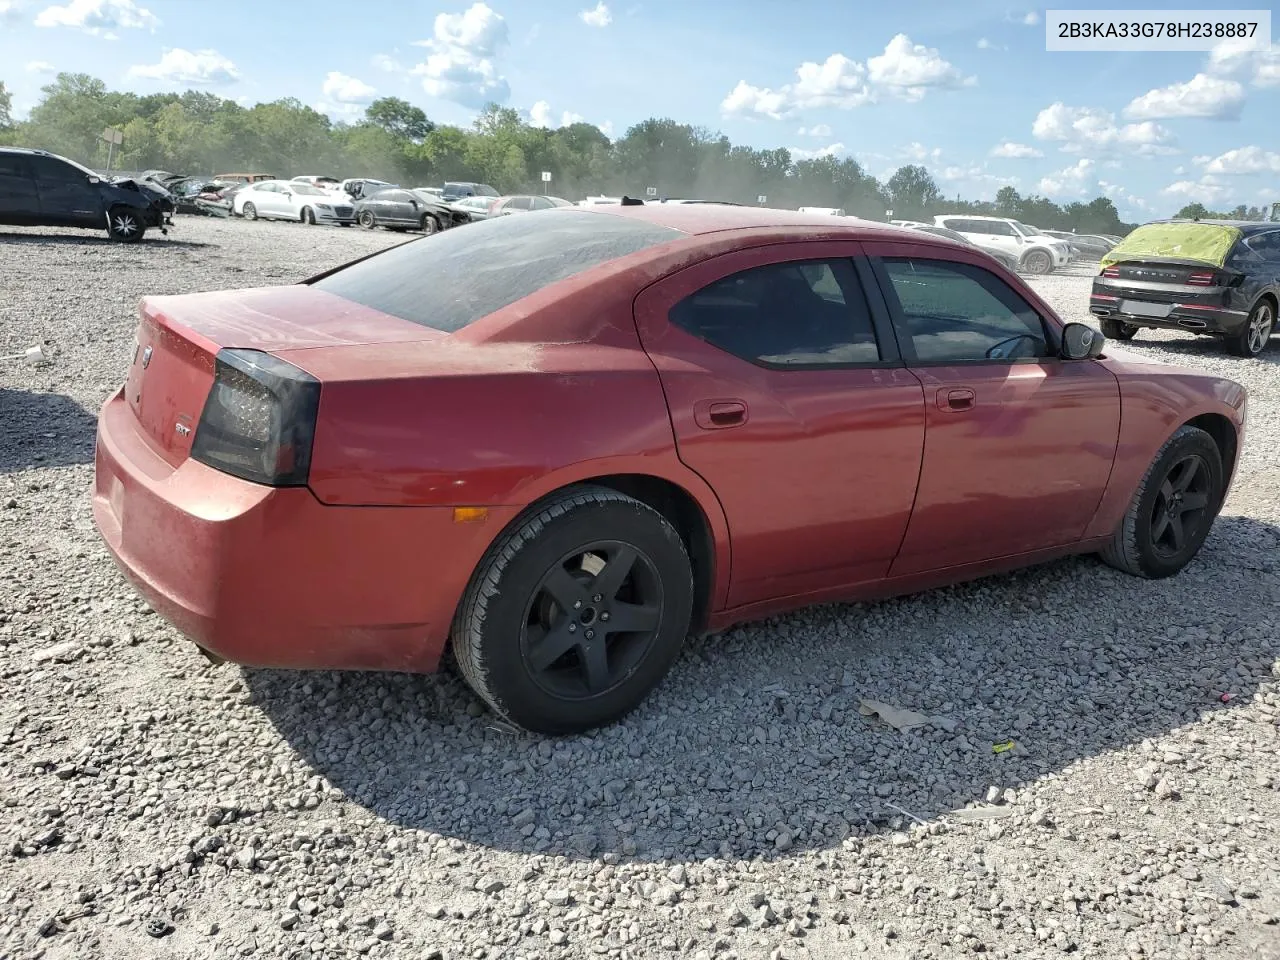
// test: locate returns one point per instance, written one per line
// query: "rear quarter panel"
(1156, 399)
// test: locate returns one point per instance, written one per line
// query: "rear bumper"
(271, 577)
(1196, 318)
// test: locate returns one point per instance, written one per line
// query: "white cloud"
(818, 130)
(1015, 151)
(198, 68)
(1243, 160)
(1214, 98)
(800, 153)
(905, 70)
(461, 67)
(919, 153)
(1084, 129)
(597, 16)
(1232, 58)
(40, 66)
(1030, 19)
(387, 63)
(1205, 190)
(909, 69)
(1179, 170)
(11, 11)
(985, 44)
(1077, 180)
(1115, 192)
(540, 116)
(606, 128)
(344, 89)
(99, 17)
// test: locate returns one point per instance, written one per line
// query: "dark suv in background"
(1218, 278)
(39, 189)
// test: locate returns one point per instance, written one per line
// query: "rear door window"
(460, 276)
(13, 165)
(798, 314)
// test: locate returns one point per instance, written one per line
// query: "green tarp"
(1206, 242)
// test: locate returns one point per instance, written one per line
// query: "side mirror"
(1018, 237)
(1081, 342)
(94, 180)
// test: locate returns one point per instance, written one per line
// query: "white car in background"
(292, 200)
(1036, 253)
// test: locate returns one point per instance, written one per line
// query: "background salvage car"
(286, 200)
(39, 189)
(549, 466)
(1214, 278)
(407, 210)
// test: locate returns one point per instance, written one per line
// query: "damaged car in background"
(408, 210)
(1217, 278)
(41, 189)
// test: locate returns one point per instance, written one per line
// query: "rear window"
(1207, 243)
(454, 278)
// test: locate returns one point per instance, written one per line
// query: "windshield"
(307, 190)
(458, 276)
(1023, 229)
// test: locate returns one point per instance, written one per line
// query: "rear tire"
(1253, 339)
(1172, 510)
(1114, 329)
(537, 633)
(1037, 262)
(250, 211)
(125, 225)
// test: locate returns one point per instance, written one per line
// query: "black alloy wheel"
(592, 618)
(1173, 509)
(1180, 505)
(576, 612)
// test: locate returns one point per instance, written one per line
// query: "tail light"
(259, 420)
(1113, 272)
(1201, 279)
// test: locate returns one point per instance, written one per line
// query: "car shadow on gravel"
(755, 744)
(153, 239)
(43, 430)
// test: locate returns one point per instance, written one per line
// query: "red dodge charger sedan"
(562, 443)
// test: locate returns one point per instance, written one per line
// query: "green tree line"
(200, 133)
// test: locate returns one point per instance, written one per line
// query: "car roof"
(699, 218)
(1244, 226)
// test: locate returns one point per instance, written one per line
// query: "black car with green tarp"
(1217, 278)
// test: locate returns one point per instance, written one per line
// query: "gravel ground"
(152, 805)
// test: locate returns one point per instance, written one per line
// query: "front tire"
(429, 224)
(368, 220)
(1037, 262)
(576, 613)
(125, 225)
(1172, 510)
(308, 216)
(1253, 339)
(1114, 329)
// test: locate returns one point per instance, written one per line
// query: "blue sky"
(966, 88)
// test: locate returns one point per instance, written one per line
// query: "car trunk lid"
(178, 338)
